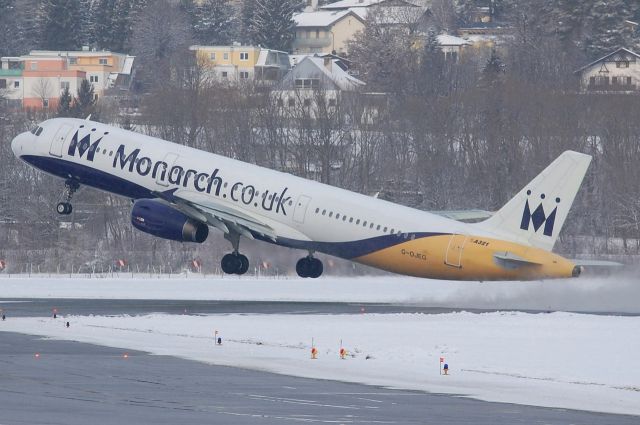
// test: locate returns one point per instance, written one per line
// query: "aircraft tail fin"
(536, 214)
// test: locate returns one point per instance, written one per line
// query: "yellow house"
(238, 63)
(327, 31)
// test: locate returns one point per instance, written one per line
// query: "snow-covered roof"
(451, 40)
(346, 4)
(322, 18)
(605, 57)
(335, 73)
(127, 66)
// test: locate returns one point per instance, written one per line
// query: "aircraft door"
(57, 142)
(301, 209)
(453, 255)
(162, 178)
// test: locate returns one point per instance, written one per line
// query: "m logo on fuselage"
(83, 146)
(538, 217)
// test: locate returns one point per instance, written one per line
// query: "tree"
(105, 24)
(62, 28)
(85, 102)
(212, 21)
(65, 103)
(608, 30)
(272, 25)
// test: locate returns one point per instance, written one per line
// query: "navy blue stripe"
(351, 249)
(88, 176)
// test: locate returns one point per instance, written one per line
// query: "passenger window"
(39, 132)
(392, 231)
(330, 213)
(337, 216)
(385, 229)
(324, 212)
(358, 221)
(317, 210)
(344, 218)
(371, 226)
(364, 224)
(350, 219)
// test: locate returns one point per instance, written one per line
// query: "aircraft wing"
(465, 215)
(216, 214)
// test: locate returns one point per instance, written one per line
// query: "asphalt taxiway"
(76, 383)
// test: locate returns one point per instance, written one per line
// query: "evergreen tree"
(493, 70)
(432, 66)
(247, 11)
(62, 25)
(85, 103)
(272, 25)
(8, 27)
(213, 22)
(607, 26)
(105, 24)
(65, 103)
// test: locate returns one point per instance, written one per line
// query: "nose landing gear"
(65, 207)
(309, 267)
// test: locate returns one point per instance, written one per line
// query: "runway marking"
(307, 402)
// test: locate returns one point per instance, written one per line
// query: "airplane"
(179, 193)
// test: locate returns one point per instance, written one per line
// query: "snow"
(318, 19)
(561, 359)
(564, 360)
(619, 293)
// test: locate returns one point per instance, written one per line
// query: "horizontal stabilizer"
(465, 215)
(596, 263)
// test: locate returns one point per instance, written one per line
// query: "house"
(238, 63)
(326, 31)
(618, 71)
(452, 47)
(329, 28)
(104, 69)
(36, 80)
(315, 79)
(11, 81)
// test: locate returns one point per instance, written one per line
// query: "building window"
(93, 78)
(225, 74)
(317, 33)
(622, 64)
(45, 103)
(95, 97)
(3, 84)
(244, 56)
(244, 75)
(614, 80)
(103, 61)
(16, 84)
(64, 85)
(225, 56)
(307, 83)
(34, 66)
(332, 102)
(73, 61)
(628, 81)
(280, 103)
(307, 102)
(212, 55)
(292, 102)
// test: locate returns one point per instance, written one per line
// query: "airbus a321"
(179, 193)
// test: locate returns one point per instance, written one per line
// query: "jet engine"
(161, 220)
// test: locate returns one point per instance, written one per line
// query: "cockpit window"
(33, 130)
(39, 131)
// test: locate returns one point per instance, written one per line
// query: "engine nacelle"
(159, 219)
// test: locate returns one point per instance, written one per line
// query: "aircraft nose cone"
(16, 143)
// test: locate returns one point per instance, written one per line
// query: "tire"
(303, 267)
(316, 268)
(64, 208)
(230, 264)
(243, 264)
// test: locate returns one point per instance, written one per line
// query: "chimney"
(328, 62)
(312, 6)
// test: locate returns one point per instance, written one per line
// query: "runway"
(74, 383)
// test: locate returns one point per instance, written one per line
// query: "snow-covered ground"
(619, 294)
(567, 360)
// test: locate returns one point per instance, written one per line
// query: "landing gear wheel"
(234, 264)
(70, 187)
(64, 208)
(309, 267)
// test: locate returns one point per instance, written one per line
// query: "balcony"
(307, 43)
(608, 87)
(10, 72)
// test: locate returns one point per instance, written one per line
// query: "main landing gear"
(234, 263)
(309, 267)
(65, 207)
